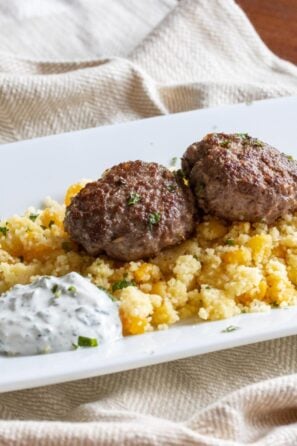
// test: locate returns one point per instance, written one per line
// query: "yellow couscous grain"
(225, 269)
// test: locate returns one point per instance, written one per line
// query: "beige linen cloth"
(71, 65)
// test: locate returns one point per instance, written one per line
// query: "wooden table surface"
(276, 23)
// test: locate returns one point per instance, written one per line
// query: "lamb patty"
(135, 210)
(237, 177)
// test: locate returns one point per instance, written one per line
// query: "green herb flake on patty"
(133, 199)
(257, 143)
(225, 143)
(243, 135)
(171, 187)
(153, 219)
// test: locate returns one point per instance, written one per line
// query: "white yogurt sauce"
(53, 312)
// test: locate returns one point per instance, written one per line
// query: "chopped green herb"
(74, 346)
(225, 143)
(87, 342)
(72, 289)
(4, 230)
(180, 173)
(124, 283)
(195, 257)
(173, 161)
(171, 187)
(33, 216)
(207, 287)
(257, 143)
(230, 328)
(56, 291)
(243, 135)
(153, 219)
(290, 157)
(133, 199)
(230, 242)
(66, 246)
(51, 223)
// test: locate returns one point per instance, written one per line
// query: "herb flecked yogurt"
(56, 314)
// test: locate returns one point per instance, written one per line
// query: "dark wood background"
(276, 23)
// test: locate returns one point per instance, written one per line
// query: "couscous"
(224, 270)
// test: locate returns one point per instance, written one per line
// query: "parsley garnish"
(124, 283)
(243, 135)
(180, 174)
(33, 216)
(225, 143)
(4, 230)
(171, 187)
(230, 328)
(153, 219)
(258, 143)
(230, 242)
(133, 199)
(56, 291)
(72, 289)
(174, 161)
(83, 341)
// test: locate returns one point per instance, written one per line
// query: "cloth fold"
(203, 53)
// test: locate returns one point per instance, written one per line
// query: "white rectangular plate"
(32, 170)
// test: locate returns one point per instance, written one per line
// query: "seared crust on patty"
(132, 212)
(237, 177)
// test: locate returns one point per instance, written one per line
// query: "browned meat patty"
(237, 177)
(135, 210)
